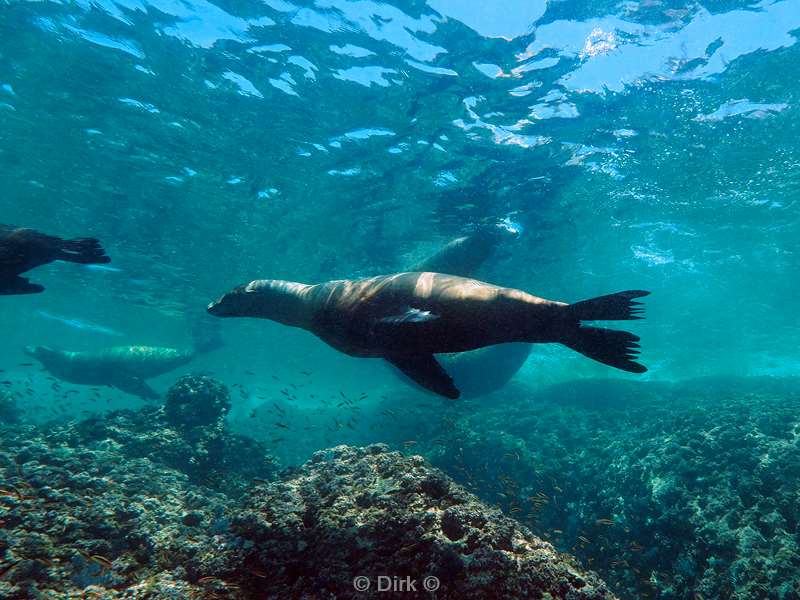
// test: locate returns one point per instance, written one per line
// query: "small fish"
(281, 425)
(619, 563)
(102, 561)
(604, 522)
(409, 443)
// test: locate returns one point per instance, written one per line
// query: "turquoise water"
(636, 145)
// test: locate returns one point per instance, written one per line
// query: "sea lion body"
(24, 249)
(407, 318)
(482, 371)
(122, 367)
(432, 313)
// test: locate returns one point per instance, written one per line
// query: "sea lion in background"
(488, 369)
(124, 367)
(121, 367)
(407, 318)
(24, 249)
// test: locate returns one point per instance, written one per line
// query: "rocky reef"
(187, 433)
(368, 517)
(682, 491)
(90, 522)
(117, 507)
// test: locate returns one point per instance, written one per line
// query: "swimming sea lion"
(407, 318)
(24, 249)
(125, 367)
(121, 367)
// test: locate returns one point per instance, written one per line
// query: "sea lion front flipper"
(19, 285)
(410, 315)
(427, 372)
(137, 387)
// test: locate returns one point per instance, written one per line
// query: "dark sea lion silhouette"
(125, 367)
(121, 367)
(407, 318)
(488, 369)
(24, 249)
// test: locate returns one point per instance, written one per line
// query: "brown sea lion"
(24, 249)
(407, 318)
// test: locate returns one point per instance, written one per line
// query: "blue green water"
(639, 145)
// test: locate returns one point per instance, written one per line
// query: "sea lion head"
(284, 301)
(43, 354)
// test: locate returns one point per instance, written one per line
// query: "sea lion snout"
(233, 304)
(218, 308)
(41, 353)
(282, 301)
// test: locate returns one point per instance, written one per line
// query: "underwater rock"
(353, 513)
(80, 522)
(196, 400)
(667, 491)
(188, 433)
(90, 521)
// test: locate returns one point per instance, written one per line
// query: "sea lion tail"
(608, 346)
(83, 250)
(613, 307)
(611, 347)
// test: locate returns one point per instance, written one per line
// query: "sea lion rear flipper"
(87, 251)
(137, 387)
(427, 372)
(19, 285)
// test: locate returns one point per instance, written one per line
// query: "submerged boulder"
(196, 401)
(360, 522)
(189, 433)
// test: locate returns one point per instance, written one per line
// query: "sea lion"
(486, 370)
(125, 367)
(407, 318)
(121, 367)
(24, 249)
